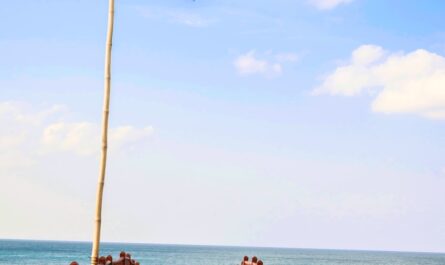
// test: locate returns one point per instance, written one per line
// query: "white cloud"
(402, 82)
(19, 112)
(23, 127)
(83, 138)
(328, 4)
(19, 124)
(176, 16)
(367, 54)
(189, 19)
(248, 64)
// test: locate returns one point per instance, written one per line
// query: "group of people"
(254, 261)
(124, 259)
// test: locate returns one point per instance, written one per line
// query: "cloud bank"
(47, 130)
(83, 138)
(400, 82)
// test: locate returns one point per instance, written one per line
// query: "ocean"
(27, 252)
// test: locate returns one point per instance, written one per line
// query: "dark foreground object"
(124, 259)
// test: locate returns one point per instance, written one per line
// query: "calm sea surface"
(45, 252)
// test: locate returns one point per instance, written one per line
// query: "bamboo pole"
(103, 160)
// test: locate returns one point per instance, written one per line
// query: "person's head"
(260, 262)
(74, 263)
(246, 258)
(109, 258)
(128, 256)
(102, 260)
(254, 259)
(122, 254)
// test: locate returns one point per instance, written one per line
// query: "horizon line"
(222, 246)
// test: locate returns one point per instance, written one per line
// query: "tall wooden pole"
(103, 160)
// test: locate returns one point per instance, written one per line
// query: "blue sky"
(313, 124)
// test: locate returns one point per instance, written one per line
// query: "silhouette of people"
(124, 259)
(254, 261)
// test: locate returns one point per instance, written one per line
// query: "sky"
(287, 123)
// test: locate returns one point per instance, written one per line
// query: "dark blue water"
(45, 252)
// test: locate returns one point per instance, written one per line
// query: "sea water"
(47, 252)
